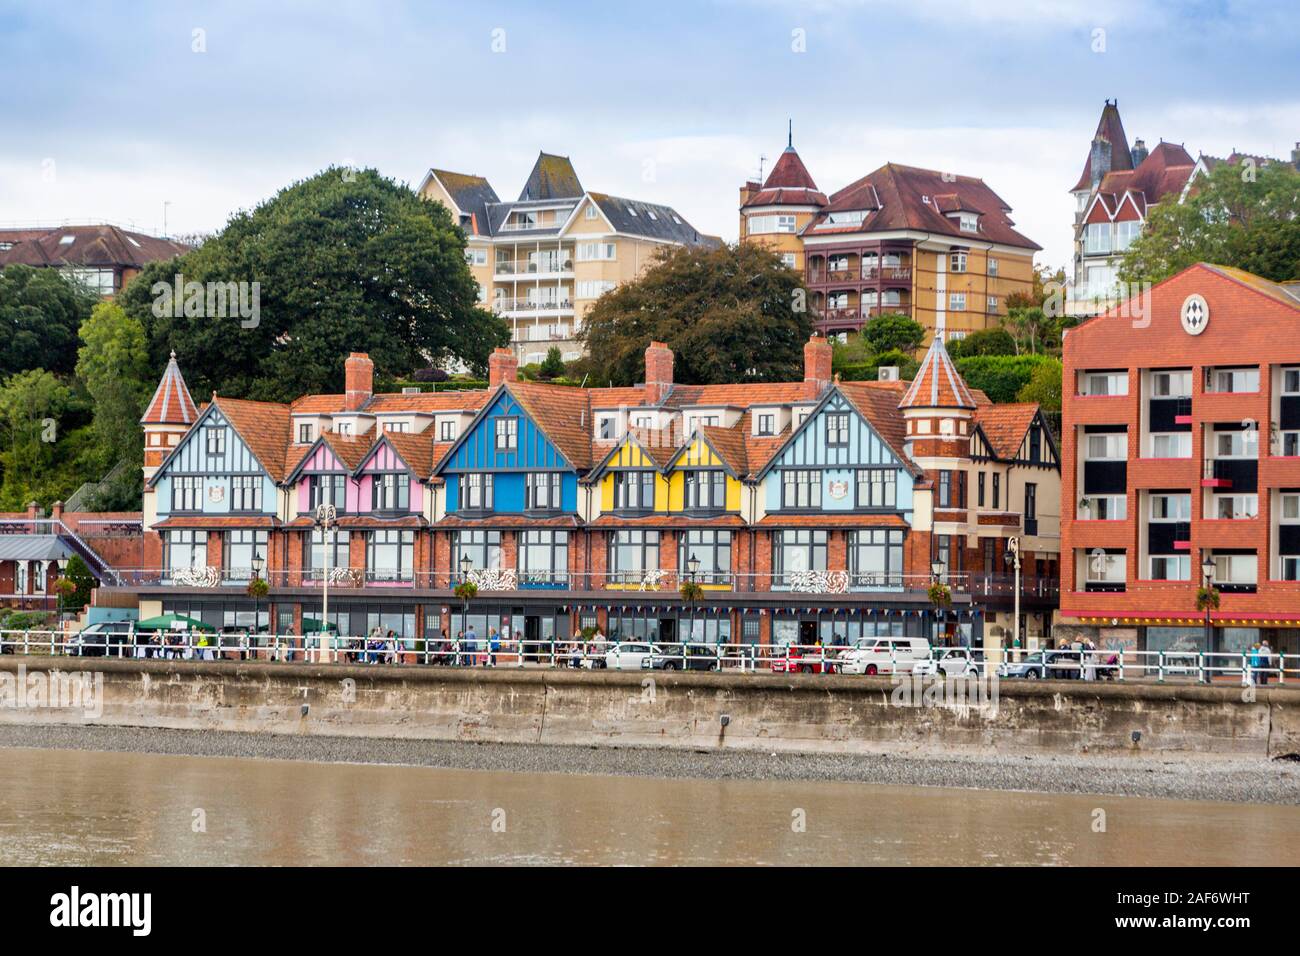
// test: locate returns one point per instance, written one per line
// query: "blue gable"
(477, 452)
(838, 464)
(191, 458)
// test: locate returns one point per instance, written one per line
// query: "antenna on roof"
(762, 158)
(789, 139)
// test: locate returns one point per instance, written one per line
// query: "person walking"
(471, 646)
(1265, 661)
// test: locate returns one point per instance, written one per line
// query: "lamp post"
(937, 569)
(327, 522)
(692, 569)
(1207, 575)
(258, 563)
(466, 565)
(1013, 558)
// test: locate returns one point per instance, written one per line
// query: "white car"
(629, 656)
(884, 655)
(953, 662)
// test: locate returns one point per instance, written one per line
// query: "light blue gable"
(838, 465)
(477, 452)
(191, 459)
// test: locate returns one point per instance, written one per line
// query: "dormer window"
(304, 433)
(968, 222)
(606, 427)
(447, 431)
(345, 429)
(67, 240)
(767, 424)
(397, 426)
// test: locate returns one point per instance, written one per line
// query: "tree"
(1000, 377)
(893, 332)
(79, 574)
(31, 404)
(1241, 215)
(1044, 386)
(113, 364)
(995, 341)
(730, 314)
(40, 311)
(553, 367)
(344, 261)
(1028, 328)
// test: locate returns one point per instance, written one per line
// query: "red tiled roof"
(1005, 425)
(729, 443)
(415, 448)
(264, 428)
(742, 395)
(508, 521)
(894, 197)
(91, 246)
(171, 403)
(657, 520)
(938, 384)
(563, 413)
(830, 520)
(878, 403)
(219, 521)
(360, 522)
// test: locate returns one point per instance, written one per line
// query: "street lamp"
(465, 566)
(258, 563)
(327, 522)
(937, 569)
(692, 568)
(1013, 558)
(1207, 574)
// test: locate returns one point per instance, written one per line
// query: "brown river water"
(90, 808)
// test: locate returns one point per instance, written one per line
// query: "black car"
(107, 638)
(670, 658)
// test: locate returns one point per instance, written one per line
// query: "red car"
(805, 660)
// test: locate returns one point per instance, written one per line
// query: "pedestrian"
(471, 646)
(1265, 660)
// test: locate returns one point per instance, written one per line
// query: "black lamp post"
(1207, 574)
(937, 569)
(692, 569)
(258, 563)
(465, 565)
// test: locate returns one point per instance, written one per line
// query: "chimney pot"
(503, 366)
(359, 381)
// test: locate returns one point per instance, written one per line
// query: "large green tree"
(113, 365)
(31, 442)
(345, 261)
(1241, 215)
(730, 314)
(40, 311)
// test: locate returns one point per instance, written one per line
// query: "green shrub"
(1000, 377)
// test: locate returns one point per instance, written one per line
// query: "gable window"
(183, 550)
(446, 431)
(304, 434)
(390, 555)
(543, 491)
(767, 424)
(794, 551)
(483, 548)
(633, 555)
(801, 489)
(187, 493)
(216, 441)
(634, 490)
(877, 487)
(390, 492)
(706, 490)
(507, 434)
(712, 549)
(1035, 444)
(246, 493)
(327, 490)
(476, 494)
(1097, 237)
(589, 212)
(837, 429)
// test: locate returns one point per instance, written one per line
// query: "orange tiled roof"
(171, 403)
(1005, 425)
(263, 427)
(416, 449)
(675, 521)
(878, 403)
(938, 384)
(729, 443)
(508, 521)
(219, 521)
(563, 413)
(831, 520)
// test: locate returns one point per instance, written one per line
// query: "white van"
(884, 655)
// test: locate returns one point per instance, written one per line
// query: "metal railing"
(866, 656)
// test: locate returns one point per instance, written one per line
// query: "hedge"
(1000, 377)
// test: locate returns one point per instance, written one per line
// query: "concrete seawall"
(809, 713)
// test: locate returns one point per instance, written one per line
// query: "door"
(808, 633)
(667, 630)
(532, 636)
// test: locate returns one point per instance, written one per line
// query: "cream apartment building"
(543, 260)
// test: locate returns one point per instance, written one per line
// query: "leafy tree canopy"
(891, 332)
(345, 261)
(1240, 215)
(40, 311)
(113, 364)
(1044, 386)
(730, 314)
(1000, 377)
(996, 341)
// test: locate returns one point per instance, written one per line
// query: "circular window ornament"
(1195, 314)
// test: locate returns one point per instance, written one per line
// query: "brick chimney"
(503, 366)
(359, 380)
(658, 372)
(816, 366)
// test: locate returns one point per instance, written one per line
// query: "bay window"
(183, 550)
(483, 548)
(237, 552)
(317, 546)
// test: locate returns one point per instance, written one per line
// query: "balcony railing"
(533, 268)
(532, 305)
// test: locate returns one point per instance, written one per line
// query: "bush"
(984, 342)
(553, 367)
(870, 371)
(430, 375)
(892, 332)
(1044, 386)
(1000, 377)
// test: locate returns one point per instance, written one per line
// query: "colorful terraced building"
(808, 510)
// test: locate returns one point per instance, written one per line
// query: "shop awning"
(33, 547)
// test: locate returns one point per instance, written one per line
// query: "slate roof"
(1111, 129)
(553, 177)
(98, 246)
(472, 195)
(637, 218)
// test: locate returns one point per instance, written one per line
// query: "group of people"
(470, 650)
(1260, 660)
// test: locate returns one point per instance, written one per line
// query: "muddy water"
(84, 807)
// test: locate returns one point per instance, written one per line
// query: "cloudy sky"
(111, 110)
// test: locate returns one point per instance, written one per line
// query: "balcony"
(534, 270)
(875, 311)
(526, 307)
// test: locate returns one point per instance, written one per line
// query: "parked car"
(952, 662)
(629, 656)
(884, 655)
(101, 639)
(697, 657)
(805, 660)
(1054, 665)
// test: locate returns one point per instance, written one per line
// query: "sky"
(132, 112)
